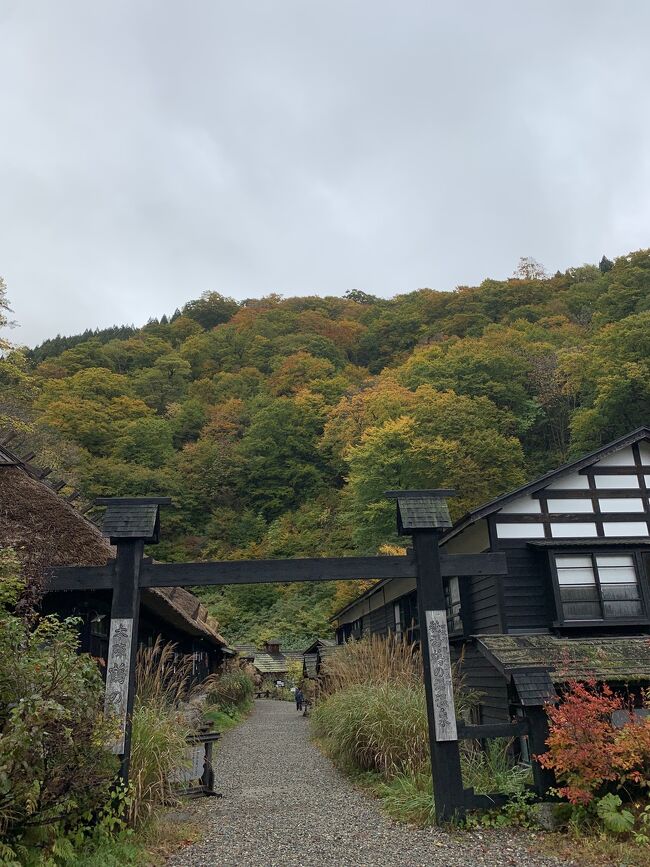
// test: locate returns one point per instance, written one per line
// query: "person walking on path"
(300, 697)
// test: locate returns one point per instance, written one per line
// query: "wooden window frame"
(449, 611)
(641, 576)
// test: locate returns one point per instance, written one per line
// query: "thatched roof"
(47, 531)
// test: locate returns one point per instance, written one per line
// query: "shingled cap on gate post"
(422, 510)
(132, 518)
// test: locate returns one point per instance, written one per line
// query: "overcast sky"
(151, 149)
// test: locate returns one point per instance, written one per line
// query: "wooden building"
(575, 602)
(45, 530)
(270, 662)
(314, 655)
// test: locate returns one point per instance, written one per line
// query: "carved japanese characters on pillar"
(442, 688)
(117, 676)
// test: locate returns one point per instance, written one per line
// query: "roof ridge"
(540, 482)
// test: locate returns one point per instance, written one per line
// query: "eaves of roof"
(494, 505)
(541, 482)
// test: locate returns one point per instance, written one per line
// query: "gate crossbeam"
(275, 571)
(131, 523)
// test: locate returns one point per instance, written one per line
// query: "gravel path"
(284, 805)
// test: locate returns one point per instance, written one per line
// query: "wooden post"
(123, 646)
(543, 778)
(443, 738)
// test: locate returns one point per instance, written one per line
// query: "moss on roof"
(615, 659)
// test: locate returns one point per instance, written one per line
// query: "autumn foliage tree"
(587, 752)
(277, 423)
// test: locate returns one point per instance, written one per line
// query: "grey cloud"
(153, 150)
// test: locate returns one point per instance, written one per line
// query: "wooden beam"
(275, 571)
(492, 730)
(82, 578)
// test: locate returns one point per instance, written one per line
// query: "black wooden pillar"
(424, 516)
(129, 523)
(543, 778)
(445, 755)
(123, 647)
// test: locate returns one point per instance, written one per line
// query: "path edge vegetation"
(370, 720)
(60, 804)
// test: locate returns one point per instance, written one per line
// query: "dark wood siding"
(378, 620)
(484, 600)
(481, 676)
(527, 590)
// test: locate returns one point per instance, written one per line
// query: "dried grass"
(372, 660)
(163, 675)
(160, 725)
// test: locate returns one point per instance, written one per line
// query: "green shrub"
(231, 688)
(158, 748)
(375, 727)
(54, 767)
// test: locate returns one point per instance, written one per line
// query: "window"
(398, 620)
(598, 587)
(452, 604)
(409, 616)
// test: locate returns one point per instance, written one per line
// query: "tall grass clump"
(160, 727)
(491, 768)
(373, 714)
(378, 727)
(373, 660)
(232, 688)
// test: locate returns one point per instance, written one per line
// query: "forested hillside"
(276, 424)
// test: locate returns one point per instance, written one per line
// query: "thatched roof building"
(45, 530)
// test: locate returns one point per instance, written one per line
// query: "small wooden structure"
(270, 662)
(313, 656)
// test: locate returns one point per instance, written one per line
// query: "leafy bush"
(231, 688)
(586, 752)
(54, 767)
